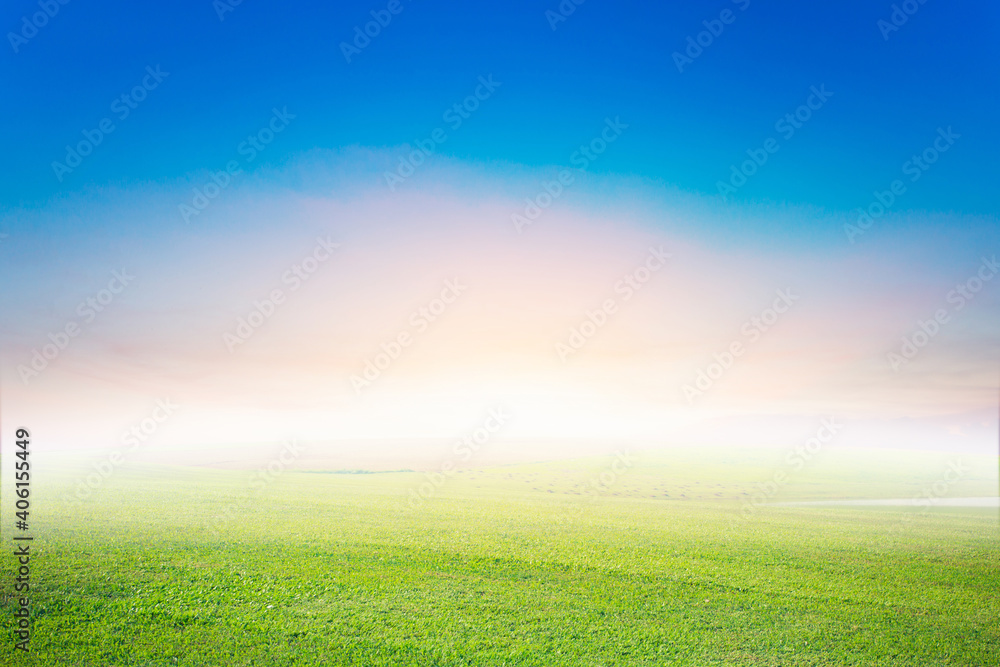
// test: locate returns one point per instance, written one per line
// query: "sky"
(715, 222)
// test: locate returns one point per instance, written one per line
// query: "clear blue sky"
(607, 59)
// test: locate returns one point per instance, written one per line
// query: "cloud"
(522, 295)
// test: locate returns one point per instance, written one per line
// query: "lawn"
(535, 564)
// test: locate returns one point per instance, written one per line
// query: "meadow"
(555, 563)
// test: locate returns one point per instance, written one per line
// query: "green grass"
(515, 565)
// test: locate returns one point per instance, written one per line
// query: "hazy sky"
(606, 240)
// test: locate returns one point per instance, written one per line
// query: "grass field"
(534, 564)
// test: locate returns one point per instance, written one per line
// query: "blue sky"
(607, 59)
